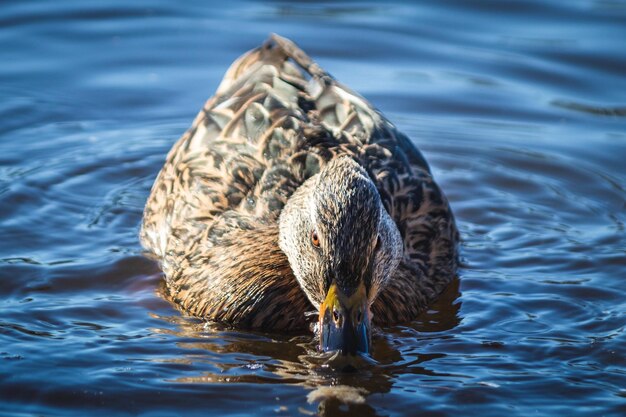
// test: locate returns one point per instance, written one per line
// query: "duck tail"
(276, 51)
(291, 50)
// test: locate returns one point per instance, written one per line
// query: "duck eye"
(315, 239)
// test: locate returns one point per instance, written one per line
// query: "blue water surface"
(519, 107)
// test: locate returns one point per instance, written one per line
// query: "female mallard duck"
(291, 190)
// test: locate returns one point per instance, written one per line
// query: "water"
(519, 106)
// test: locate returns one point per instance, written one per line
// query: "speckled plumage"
(276, 119)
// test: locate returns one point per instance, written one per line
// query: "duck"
(289, 196)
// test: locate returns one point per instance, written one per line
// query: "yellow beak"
(345, 321)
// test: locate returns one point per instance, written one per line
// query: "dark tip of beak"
(344, 321)
(349, 338)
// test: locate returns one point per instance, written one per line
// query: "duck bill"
(345, 322)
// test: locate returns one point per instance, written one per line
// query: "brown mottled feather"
(275, 120)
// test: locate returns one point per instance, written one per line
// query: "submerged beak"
(345, 321)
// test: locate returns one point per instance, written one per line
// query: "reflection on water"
(518, 107)
(258, 358)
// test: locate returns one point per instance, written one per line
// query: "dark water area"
(519, 106)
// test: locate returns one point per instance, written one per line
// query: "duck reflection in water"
(295, 359)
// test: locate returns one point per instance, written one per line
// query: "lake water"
(519, 106)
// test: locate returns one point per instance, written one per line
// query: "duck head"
(342, 246)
